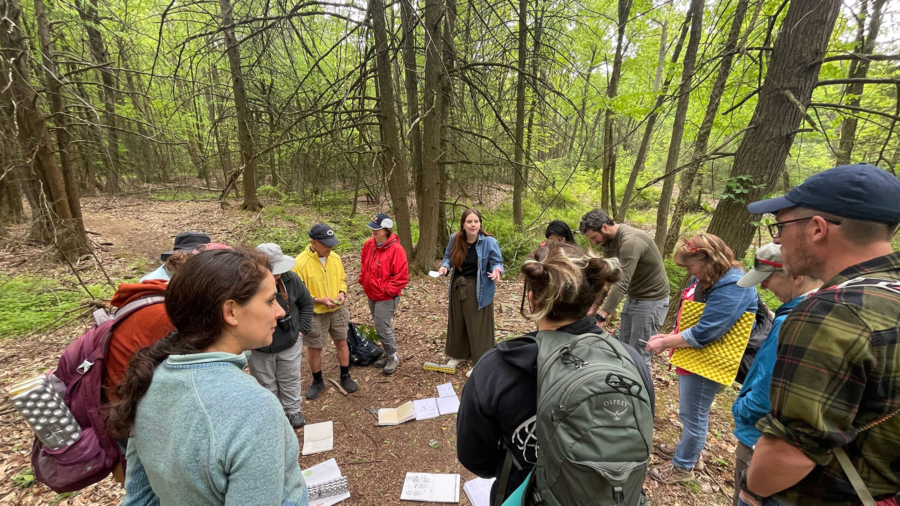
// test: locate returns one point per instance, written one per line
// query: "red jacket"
(383, 270)
(140, 330)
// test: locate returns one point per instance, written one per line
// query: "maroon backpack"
(80, 372)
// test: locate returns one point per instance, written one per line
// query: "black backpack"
(362, 351)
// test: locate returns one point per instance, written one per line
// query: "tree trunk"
(644, 149)
(535, 59)
(702, 141)
(99, 52)
(391, 161)
(448, 52)
(684, 98)
(859, 69)
(610, 150)
(215, 111)
(248, 162)
(411, 81)
(518, 167)
(34, 137)
(794, 70)
(431, 140)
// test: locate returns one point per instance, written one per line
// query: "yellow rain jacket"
(321, 281)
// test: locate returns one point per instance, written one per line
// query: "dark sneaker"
(380, 361)
(349, 385)
(665, 450)
(315, 389)
(391, 365)
(670, 474)
(297, 420)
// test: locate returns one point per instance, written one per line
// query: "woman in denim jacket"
(715, 274)
(474, 261)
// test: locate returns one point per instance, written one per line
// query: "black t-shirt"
(470, 266)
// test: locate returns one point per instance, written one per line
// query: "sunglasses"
(757, 262)
(775, 229)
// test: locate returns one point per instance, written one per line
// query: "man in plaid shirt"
(836, 382)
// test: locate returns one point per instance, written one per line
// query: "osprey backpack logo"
(617, 415)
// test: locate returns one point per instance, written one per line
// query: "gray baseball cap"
(279, 263)
(766, 261)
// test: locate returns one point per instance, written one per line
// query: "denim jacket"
(725, 303)
(753, 401)
(489, 258)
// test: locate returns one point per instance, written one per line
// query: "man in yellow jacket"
(323, 274)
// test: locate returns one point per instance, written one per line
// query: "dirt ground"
(129, 233)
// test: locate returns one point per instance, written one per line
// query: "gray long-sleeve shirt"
(643, 272)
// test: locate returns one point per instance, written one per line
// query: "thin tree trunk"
(792, 74)
(391, 161)
(248, 161)
(859, 69)
(684, 98)
(701, 143)
(411, 81)
(448, 53)
(610, 150)
(518, 168)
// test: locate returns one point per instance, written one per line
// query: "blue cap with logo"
(322, 232)
(859, 192)
(380, 221)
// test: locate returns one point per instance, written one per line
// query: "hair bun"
(533, 269)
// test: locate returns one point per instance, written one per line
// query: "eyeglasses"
(775, 229)
(776, 265)
(689, 246)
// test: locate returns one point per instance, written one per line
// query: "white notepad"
(318, 438)
(446, 390)
(321, 473)
(427, 487)
(479, 491)
(395, 416)
(426, 408)
(448, 405)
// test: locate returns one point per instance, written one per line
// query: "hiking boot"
(665, 450)
(297, 420)
(380, 361)
(315, 389)
(391, 365)
(349, 385)
(670, 474)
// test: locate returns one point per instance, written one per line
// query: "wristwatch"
(600, 318)
(743, 486)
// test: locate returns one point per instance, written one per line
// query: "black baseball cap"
(322, 232)
(186, 241)
(859, 192)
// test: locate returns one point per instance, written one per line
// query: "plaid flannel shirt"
(838, 370)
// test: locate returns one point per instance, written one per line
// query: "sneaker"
(665, 450)
(670, 474)
(349, 385)
(315, 389)
(297, 420)
(380, 361)
(391, 365)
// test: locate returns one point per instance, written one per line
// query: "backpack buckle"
(618, 495)
(84, 367)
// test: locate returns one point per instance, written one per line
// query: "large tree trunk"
(99, 52)
(411, 82)
(391, 161)
(431, 141)
(610, 150)
(859, 69)
(518, 168)
(644, 148)
(702, 141)
(792, 74)
(248, 161)
(34, 137)
(684, 98)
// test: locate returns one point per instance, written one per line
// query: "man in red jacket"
(383, 274)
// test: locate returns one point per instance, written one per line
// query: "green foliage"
(31, 303)
(25, 478)
(368, 331)
(737, 188)
(676, 275)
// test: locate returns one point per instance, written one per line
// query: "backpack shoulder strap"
(852, 474)
(860, 282)
(133, 306)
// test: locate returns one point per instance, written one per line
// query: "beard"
(800, 261)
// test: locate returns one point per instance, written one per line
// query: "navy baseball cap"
(186, 241)
(859, 192)
(380, 221)
(322, 232)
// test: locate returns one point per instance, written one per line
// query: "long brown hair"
(460, 245)
(194, 300)
(565, 280)
(709, 250)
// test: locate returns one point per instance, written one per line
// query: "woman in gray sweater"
(203, 432)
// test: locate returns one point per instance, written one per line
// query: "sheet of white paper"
(426, 487)
(479, 491)
(318, 437)
(448, 405)
(446, 390)
(434, 274)
(426, 408)
(320, 473)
